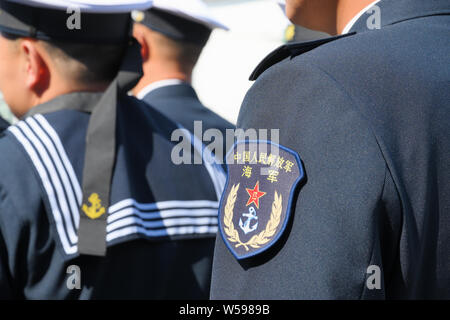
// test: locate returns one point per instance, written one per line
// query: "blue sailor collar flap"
(290, 50)
(255, 207)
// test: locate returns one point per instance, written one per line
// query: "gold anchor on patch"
(95, 210)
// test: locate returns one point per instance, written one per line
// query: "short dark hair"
(95, 63)
(189, 53)
(186, 53)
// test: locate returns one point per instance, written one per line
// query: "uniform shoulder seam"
(355, 107)
(291, 50)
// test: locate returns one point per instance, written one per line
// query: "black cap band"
(51, 24)
(176, 27)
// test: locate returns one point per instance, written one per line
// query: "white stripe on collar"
(127, 218)
(157, 85)
(352, 22)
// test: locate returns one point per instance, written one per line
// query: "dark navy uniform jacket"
(369, 116)
(3, 124)
(160, 231)
(181, 104)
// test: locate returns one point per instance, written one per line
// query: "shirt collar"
(156, 85)
(352, 22)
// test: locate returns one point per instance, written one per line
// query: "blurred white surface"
(221, 77)
(5, 113)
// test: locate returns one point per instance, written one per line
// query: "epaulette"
(290, 50)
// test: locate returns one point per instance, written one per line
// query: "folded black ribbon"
(101, 155)
(100, 148)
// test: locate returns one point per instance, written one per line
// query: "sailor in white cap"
(91, 205)
(172, 35)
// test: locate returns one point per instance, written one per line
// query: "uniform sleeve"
(345, 217)
(6, 288)
(5, 278)
(18, 194)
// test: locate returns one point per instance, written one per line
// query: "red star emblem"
(255, 194)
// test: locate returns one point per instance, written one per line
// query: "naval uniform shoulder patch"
(255, 206)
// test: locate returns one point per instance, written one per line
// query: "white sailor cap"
(101, 21)
(186, 20)
(92, 6)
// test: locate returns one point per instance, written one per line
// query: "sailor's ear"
(36, 68)
(140, 34)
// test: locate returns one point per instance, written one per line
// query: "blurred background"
(257, 27)
(4, 111)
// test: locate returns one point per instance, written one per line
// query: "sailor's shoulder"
(291, 51)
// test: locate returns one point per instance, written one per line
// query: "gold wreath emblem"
(257, 240)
